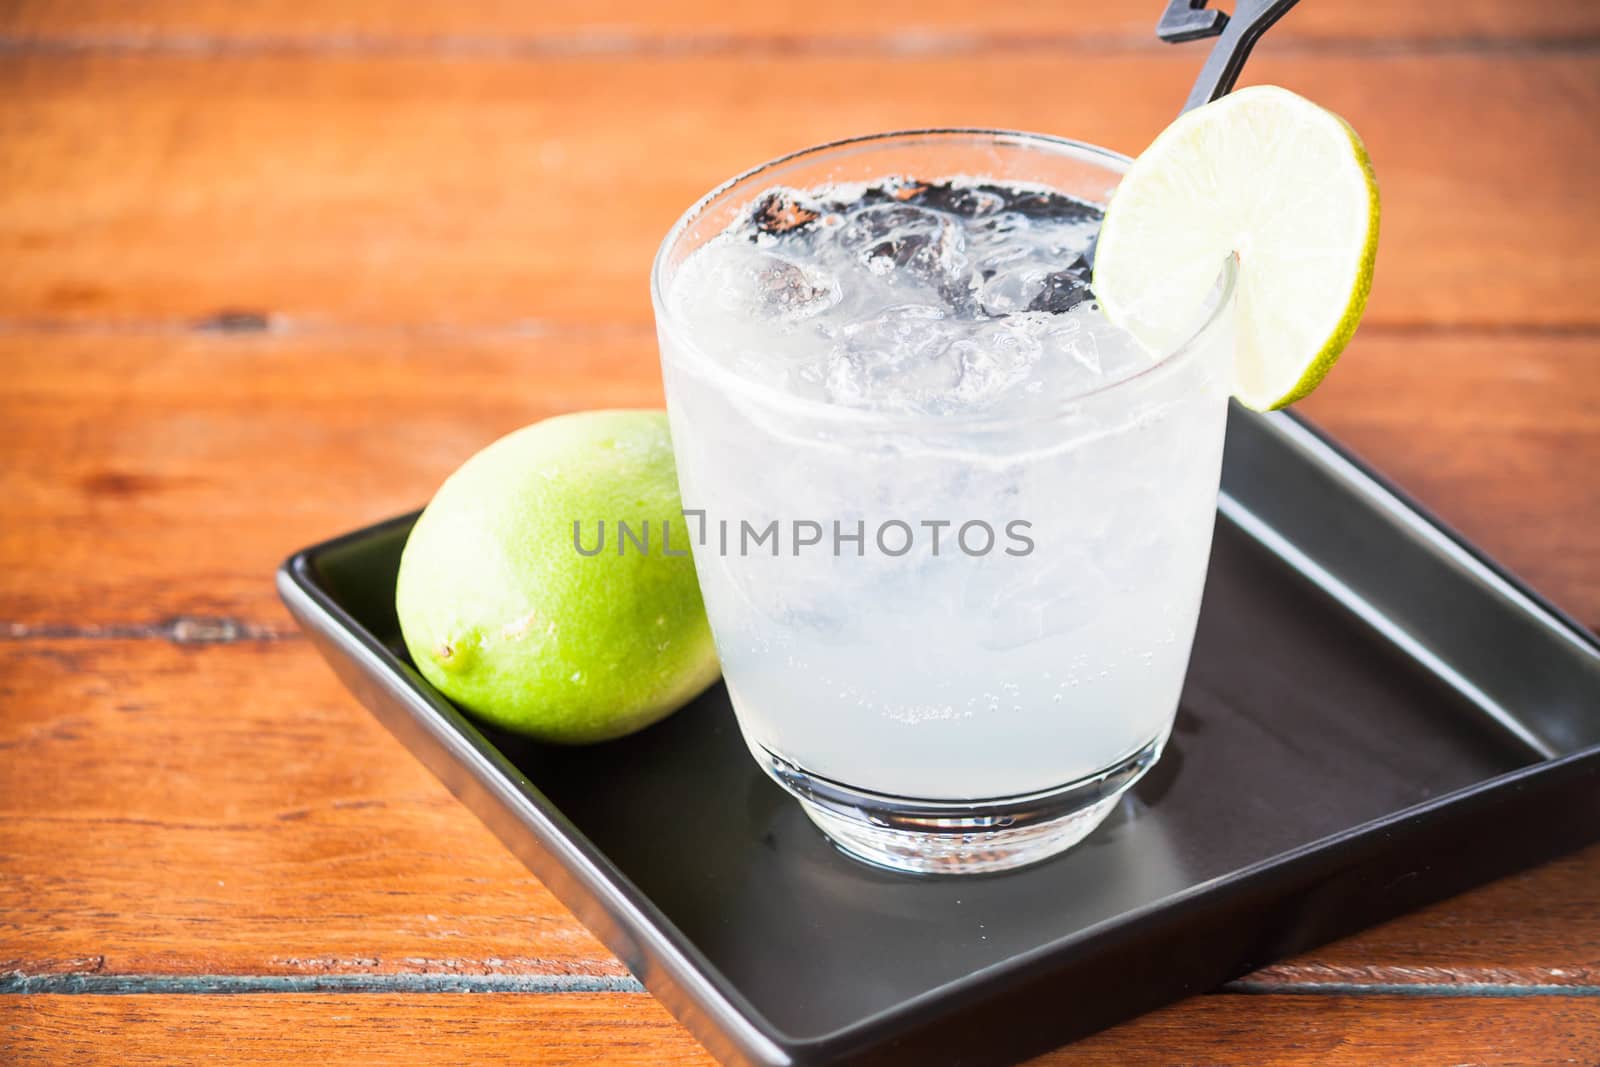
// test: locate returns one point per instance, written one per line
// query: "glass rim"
(1220, 298)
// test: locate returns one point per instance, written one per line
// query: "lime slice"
(1284, 184)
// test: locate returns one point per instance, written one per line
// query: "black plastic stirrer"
(1190, 20)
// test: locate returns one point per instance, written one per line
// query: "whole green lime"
(506, 616)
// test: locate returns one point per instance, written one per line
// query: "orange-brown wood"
(429, 191)
(1497, 433)
(631, 1029)
(607, 25)
(163, 474)
(442, 215)
(230, 810)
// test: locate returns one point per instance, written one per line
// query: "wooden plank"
(231, 811)
(127, 502)
(617, 24)
(178, 470)
(1498, 435)
(565, 1030)
(1536, 928)
(410, 224)
(499, 191)
(628, 1029)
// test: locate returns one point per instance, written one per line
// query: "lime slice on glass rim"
(1284, 184)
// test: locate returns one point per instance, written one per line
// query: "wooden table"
(270, 271)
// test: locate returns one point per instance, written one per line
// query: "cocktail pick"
(1190, 20)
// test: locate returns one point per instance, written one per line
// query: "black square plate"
(1375, 717)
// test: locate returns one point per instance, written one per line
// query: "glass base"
(960, 836)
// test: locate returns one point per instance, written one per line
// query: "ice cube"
(908, 242)
(1061, 291)
(900, 294)
(900, 359)
(994, 238)
(1007, 290)
(788, 291)
(1043, 205)
(991, 363)
(967, 201)
(1076, 344)
(1081, 341)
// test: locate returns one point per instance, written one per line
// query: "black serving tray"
(1376, 717)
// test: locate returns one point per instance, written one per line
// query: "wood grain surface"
(125, 437)
(227, 810)
(633, 1031)
(407, 191)
(629, 25)
(270, 271)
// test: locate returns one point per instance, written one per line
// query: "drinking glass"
(949, 710)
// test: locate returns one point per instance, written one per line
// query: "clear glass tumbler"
(958, 710)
